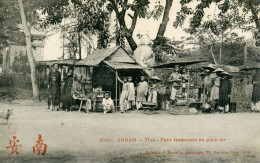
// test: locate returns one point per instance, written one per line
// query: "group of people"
(62, 93)
(217, 88)
(73, 88)
(132, 96)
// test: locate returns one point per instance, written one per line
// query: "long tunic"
(224, 91)
(67, 92)
(142, 91)
(214, 95)
(131, 92)
(54, 74)
(55, 92)
(153, 93)
(58, 81)
(256, 88)
(123, 97)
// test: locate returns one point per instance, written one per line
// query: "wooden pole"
(116, 90)
(188, 90)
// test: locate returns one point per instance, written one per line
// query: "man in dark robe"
(67, 90)
(225, 91)
(54, 73)
(256, 92)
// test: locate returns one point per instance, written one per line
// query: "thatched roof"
(97, 57)
(178, 61)
(59, 62)
(120, 65)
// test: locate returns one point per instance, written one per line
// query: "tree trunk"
(165, 19)
(31, 60)
(131, 42)
(213, 56)
(79, 42)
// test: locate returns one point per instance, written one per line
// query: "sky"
(53, 43)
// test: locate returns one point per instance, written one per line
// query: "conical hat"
(219, 70)
(210, 66)
(225, 73)
(155, 78)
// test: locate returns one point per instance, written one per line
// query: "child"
(153, 90)
(107, 103)
(124, 94)
(131, 93)
(54, 93)
(142, 90)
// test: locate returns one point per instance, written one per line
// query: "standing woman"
(131, 93)
(67, 91)
(256, 92)
(142, 90)
(225, 91)
(55, 73)
(124, 95)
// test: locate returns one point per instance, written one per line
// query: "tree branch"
(255, 14)
(134, 21)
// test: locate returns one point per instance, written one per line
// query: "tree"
(139, 9)
(224, 6)
(85, 18)
(209, 41)
(31, 60)
(120, 7)
(162, 27)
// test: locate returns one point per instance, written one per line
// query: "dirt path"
(75, 137)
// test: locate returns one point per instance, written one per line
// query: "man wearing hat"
(225, 91)
(208, 82)
(214, 94)
(153, 89)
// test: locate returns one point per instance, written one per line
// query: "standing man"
(256, 92)
(225, 91)
(208, 82)
(55, 73)
(67, 90)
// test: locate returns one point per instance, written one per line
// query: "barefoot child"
(142, 90)
(131, 93)
(107, 103)
(124, 94)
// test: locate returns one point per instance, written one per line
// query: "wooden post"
(116, 91)
(188, 90)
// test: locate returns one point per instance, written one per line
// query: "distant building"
(15, 58)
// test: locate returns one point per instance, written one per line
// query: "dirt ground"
(76, 136)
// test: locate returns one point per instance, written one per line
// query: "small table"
(85, 98)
